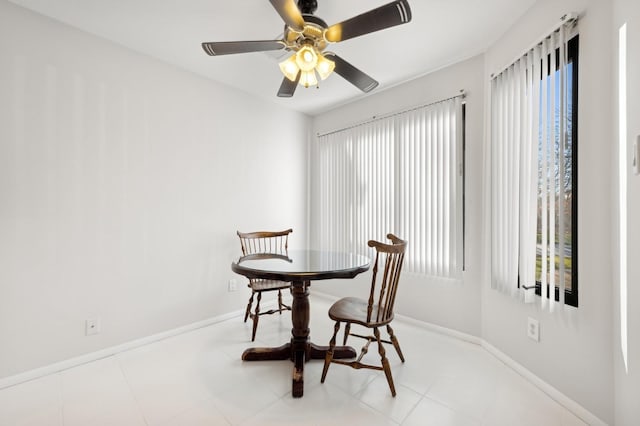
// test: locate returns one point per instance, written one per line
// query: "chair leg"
(280, 302)
(394, 340)
(329, 356)
(248, 311)
(385, 362)
(256, 316)
(347, 330)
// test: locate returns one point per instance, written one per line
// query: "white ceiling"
(441, 32)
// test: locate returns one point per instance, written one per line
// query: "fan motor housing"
(313, 33)
(307, 6)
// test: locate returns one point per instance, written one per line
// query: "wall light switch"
(636, 156)
(233, 285)
(533, 329)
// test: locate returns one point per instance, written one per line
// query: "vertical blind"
(400, 174)
(514, 96)
(528, 145)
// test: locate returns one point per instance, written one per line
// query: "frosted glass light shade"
(290, 68)
(306, 58)
(308, 78)
(324, 67)
(306, 62)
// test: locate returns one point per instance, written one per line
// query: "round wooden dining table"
(300, 267)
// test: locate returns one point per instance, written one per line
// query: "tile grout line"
(133, 394)
(60, 399)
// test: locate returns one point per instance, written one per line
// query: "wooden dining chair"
(264, 242)
(373, 313)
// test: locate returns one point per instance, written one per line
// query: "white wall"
(122, 183)
(574, 353)
(123, 179)
(627, 382)
(448, 304)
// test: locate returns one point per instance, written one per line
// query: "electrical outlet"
(233, 285)
(92, 326)
(533, 329)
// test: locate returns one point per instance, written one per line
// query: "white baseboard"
(562, 399)
(106, 352)
(441, 330)
(552, 392)
(436, 328)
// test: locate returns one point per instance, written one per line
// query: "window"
(534, 173)
(557, 228)
(401, 174)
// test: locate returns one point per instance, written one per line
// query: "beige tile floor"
(197, 378)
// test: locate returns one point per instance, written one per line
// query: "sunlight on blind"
(531, 173)
(400, 174)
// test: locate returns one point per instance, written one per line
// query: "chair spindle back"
(393, 255)
(264, 242)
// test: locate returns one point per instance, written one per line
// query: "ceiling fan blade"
(230, 47)
(389, 15)
(288, 10)
(352, 74)
(288, 87)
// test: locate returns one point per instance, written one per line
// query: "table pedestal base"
(300, 349)
(286, 351)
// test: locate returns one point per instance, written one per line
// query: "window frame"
(571, 296)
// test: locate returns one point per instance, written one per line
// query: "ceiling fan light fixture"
(306, 58)
(307, 36)
(308, 78)
(325, 66)
(290, 68)
(306, 61)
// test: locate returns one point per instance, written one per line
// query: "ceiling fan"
(307, 36)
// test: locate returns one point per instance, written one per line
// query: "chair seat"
(354, 309)
(265, 244)
(267, 285)
(368, 313)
